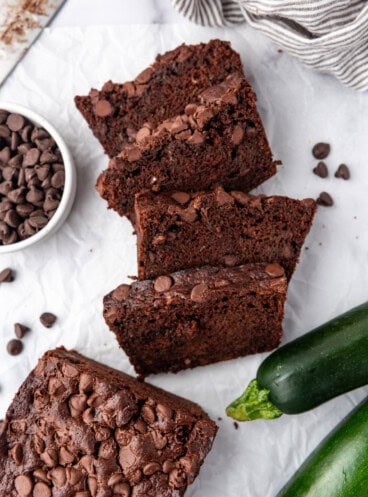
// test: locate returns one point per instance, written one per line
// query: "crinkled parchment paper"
(95, 250)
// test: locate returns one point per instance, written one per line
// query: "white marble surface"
(95, 250)
(109, 12)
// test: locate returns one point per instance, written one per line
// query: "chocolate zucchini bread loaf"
(78, 428)
(222, 140)
(118, 111)
(198, 316)
(180, 230)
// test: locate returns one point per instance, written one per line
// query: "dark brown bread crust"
(222, 140)
(178, 231)
(159, 92)
(198, 316)
(77, 428)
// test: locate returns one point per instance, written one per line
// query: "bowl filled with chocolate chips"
(37, 178)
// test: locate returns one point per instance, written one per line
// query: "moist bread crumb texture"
(77, 428)
(118, 111)
(198, 316)
(220, 140)
(179, 230)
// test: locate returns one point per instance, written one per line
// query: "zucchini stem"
(253, 404)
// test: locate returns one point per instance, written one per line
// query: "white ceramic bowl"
(70, 186)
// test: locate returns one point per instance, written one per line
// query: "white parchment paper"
(95, 250)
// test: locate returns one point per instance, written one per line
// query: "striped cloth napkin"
(329, 35)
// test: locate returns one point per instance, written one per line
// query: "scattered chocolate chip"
(163, 284)
(321, 150)
(342, 172)
(321, 170)
(236, 425)
(48, 319)
(274, 270)
(20, 330)
(14, 347)
(6, 275)
(325, 199)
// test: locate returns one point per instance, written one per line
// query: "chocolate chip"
(58, 476)
(163, 283)
(40, 475)
(103, 108)
(24, 210)
(132, 153)
(151, 468)
(38, 222)
(23, 485)
(196, 138)
(164, 410)
(159, 440)
(142, 134)
(188, 215)
(17, 453)
(6, 275)
(15, 122)
(31, 157)
(237, 135)
(41, 490)
(230, 260)
(14, 347)
(14, 141)
(121, 292)
(17, 196)
(42, 171)
(20, 330)
(325, 199)
(223, 198)
(47, 319)
(241, 197)
(199, 292)
(4, 131)
(181, 197)
(144, 76)
(221, 283)
(321, 150)
(321, 170)
(274, 270)
(168, 466)
(342, 172)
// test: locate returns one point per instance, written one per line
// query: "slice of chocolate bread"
(118, 111)
(198, 316)
(78, 428)
(178, 230)
(222, 140)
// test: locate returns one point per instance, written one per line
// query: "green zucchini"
(324, 363)
(338, 467)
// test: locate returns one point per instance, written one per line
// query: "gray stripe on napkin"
(329, 35)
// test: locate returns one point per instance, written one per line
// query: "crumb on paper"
(21, 18)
